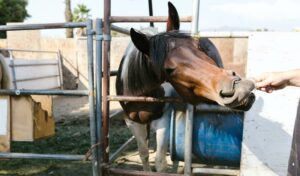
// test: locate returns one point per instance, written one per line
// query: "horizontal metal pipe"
(138, 19)
(20, 27)
(33, 64)
(201, 34)
(120, 29)
(42, 156)
(112, 73)
(43, 92)
(144, 99)
(115, 155)
(36, 78)
(23, 50)
(124, 172)
(200, 107)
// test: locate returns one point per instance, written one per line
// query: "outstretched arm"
(277, 80)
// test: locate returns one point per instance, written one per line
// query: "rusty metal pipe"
(142, 19)
(144, 99)
(106, 76)
(203, 107)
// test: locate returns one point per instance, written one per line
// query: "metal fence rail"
(108, 21)
(96, 161)
(42, 156)
(144, 19)
(44, 92)
(21, 27)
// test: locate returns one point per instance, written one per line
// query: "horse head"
(193, 66)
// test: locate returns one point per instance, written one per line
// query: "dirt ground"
(73, 137)
(77, 107)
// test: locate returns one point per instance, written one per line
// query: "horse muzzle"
(240, 97)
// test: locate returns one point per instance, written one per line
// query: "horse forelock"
(160, 45)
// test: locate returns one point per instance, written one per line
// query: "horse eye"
(169, 71)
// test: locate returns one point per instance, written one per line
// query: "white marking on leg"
(162, 127)
(140, 133)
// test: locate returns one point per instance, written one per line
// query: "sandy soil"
(74, 107)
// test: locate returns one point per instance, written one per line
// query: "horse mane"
(141, 74)
(137, 73)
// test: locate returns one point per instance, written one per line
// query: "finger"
(262, 89)
(269, 89)
(260, 77)
(263, 83)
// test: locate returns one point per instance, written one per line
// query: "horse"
(159, 64)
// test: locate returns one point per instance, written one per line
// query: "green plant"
(81, 13)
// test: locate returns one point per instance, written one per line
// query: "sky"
(215, 15)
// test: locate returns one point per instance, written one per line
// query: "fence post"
(90, 34)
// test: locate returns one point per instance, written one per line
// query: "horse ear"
(140, 41)
(173, 22)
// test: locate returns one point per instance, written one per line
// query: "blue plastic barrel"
(217, 137)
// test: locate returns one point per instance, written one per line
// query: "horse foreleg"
(162, 139)
(162, 127)
(140, 133)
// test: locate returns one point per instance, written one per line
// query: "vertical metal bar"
(106, 70)
(13, 70)
(99, 39)
(90, 50)
(150, 11)
(188, 140)
(60, 69)
(195, 16)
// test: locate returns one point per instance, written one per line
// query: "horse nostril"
(226, 93)
(233, 73)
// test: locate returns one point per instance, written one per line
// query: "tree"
(12, 11)
(68, 18)
(81, 14)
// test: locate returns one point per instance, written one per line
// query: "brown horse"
(191, 65)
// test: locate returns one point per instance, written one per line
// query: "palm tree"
(68, 18)
(81, 14)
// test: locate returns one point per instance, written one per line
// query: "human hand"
(268, 82)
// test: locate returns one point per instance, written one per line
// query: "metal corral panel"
(34, 74)
(269, 124)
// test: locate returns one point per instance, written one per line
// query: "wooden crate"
(5, 124)
(31, 118)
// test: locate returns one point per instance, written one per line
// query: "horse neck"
(136, 74)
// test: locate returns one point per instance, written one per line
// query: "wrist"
(292, 77)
